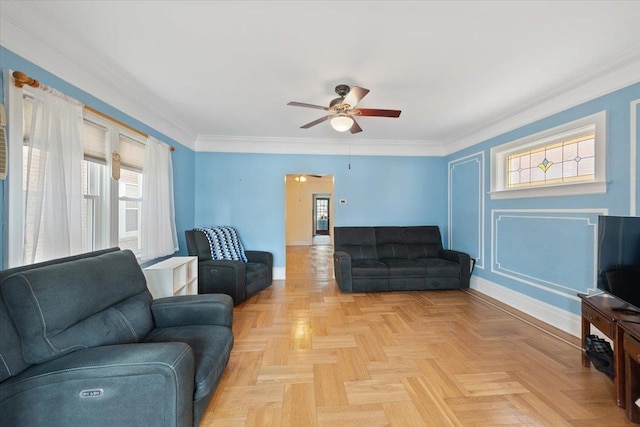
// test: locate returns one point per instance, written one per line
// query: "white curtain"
(53, 178)
(13, 188)
(158, 225)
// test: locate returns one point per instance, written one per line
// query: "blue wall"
(542, 247)
(183, 158)
(248, 192)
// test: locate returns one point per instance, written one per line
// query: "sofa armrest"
(206, 309)
(342, 269)
(465, 264)
(261, 257)
(223, 277)
(131, 384)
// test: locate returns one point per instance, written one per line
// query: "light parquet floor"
(307, 355)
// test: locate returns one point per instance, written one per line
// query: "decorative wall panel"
(552, 250)
(466, 206)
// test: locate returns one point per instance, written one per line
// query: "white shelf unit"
(173, 276)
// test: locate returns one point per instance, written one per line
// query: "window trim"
(500, 154)
(111, 210)
(98, 171)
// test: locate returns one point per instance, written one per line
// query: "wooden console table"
(631, 342)
(600, 311)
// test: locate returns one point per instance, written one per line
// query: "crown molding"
(50, 48)
(327, 146)
(618, 73)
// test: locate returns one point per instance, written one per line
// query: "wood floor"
(307, 355)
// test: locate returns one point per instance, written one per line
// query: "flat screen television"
(619, 259)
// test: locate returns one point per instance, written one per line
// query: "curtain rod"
(22, 79)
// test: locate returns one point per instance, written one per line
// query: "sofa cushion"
(423, 242)
(404, 268)
(369, 268)
(11, 360)
(361, 252)
(88, 302)
(211, 346)
(438, 267)
(391, 243)
(358, 242)
(224, 243)
(258, 277)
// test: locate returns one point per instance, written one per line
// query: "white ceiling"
(222, 72)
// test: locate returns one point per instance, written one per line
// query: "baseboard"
(279, 273)
(554, 316)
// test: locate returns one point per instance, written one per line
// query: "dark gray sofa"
(396, 258)
(82, 343)
(238, 279)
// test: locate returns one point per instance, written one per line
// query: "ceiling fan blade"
(302, 104)
(355, 95)
(315, 122)
(355, 128)
(377, 112)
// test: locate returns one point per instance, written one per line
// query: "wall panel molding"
(539, 248)
(476, 193)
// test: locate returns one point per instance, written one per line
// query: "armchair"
(238, 279)
(83, 343)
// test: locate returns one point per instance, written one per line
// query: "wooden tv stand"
(631, 342)
(599, 311)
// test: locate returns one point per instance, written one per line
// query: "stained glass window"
(568, 159)
(572, 160)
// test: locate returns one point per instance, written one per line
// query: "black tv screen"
(619, 258)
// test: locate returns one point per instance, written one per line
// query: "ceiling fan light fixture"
(342, 123)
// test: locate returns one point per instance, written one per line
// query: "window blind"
(94, 142)
(131, 153)
(94, 136)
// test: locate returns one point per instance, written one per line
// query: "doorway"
(309, 215)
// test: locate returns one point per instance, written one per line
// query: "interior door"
(321, 215)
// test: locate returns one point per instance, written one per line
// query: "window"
(130, 192)
(571, 160)
(565, 160)
(100, 228)
(94, 184)
(93, 203)
(129, 204)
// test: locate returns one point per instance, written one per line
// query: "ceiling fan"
(343, 109)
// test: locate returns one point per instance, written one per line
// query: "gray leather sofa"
(82, 343)
(238, 279)
(396, 258)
